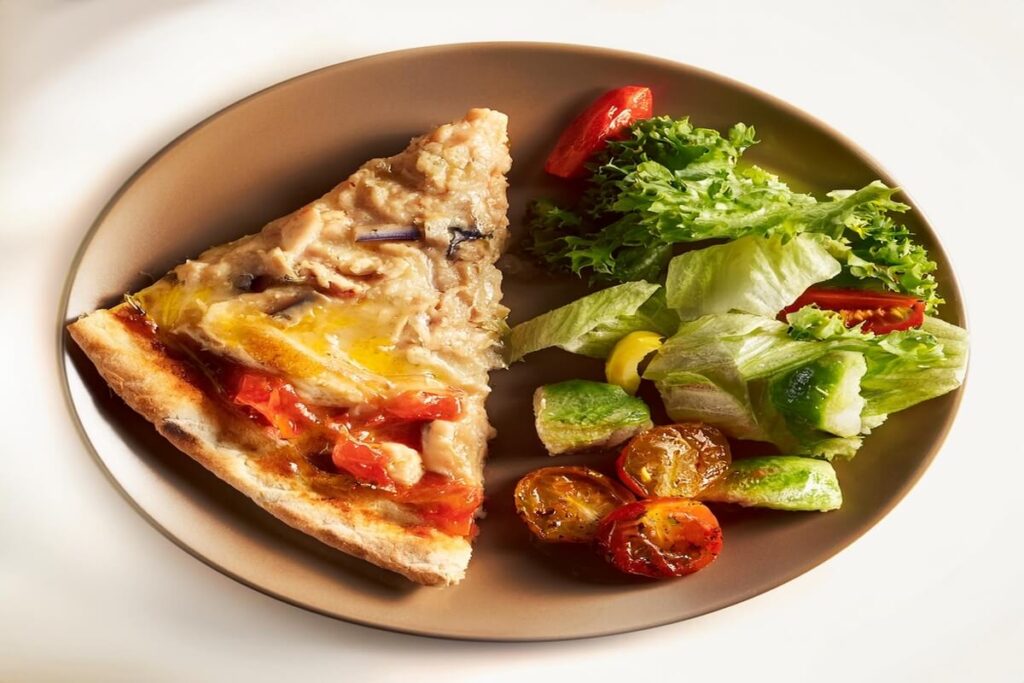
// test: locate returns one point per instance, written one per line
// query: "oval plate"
(276, 150)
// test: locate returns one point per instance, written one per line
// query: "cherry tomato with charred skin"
(660, 537)
(565, 504)
(880, 312)
(607, 118)
(674, 460)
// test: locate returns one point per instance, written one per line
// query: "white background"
(88, 591)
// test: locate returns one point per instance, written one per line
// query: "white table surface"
(90, 592)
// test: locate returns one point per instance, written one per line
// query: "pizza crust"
(153, 384)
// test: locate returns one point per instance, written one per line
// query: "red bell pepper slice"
(880, 312)
(607, 118)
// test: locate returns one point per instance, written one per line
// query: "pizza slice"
(334, 366)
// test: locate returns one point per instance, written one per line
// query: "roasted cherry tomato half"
(674, 460)
(660, 537)
(880, 312)
(566, 503)
(606, 118)
(363, 459)
(446, 504)
(273, 399)
(422, 406)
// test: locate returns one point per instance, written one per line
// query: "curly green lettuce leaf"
(811, 323)
(884, 252)
(671, 182)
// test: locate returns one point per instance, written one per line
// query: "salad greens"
(751, 275)
(813, 382)
(755, 377)
(671, 182)
(716, 369)
(591, 325)
(903, 368)
(578, 415)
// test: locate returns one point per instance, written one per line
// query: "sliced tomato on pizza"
(333, 366)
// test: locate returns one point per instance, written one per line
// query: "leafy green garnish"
(671, 182)
(725, 369)
(903, 368)
(592, 325)
(753, 274)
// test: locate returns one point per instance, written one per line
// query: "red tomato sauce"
(333, 450)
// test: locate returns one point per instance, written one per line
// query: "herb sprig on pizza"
(333, 366)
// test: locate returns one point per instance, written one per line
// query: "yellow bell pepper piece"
(623, 365)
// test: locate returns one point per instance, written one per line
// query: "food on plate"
(875, 312)
(742, 372)
(672, 469)
(593, 324)
(608, 117)
(823, 394)
(578, 415)
(806, 327)
(678, 460)
(759, 313)
(565, 504)
(780, 482)
(721, 369)
(333, 366)
(752, 274)
(623, 365)
(669, 183)
(660, 537)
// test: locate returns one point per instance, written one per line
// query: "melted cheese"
(338, 351)
(403, 464)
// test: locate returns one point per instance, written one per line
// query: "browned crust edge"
(152, 384)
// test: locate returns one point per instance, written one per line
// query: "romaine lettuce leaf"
(751, 345)
(754, 274)
(653, 315)
(709, 371)
(903, 368)
(908, 372)
(724, 369)
(590, 325)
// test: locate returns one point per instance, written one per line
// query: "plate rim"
(63, 355)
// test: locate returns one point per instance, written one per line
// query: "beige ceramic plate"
(274, 151)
